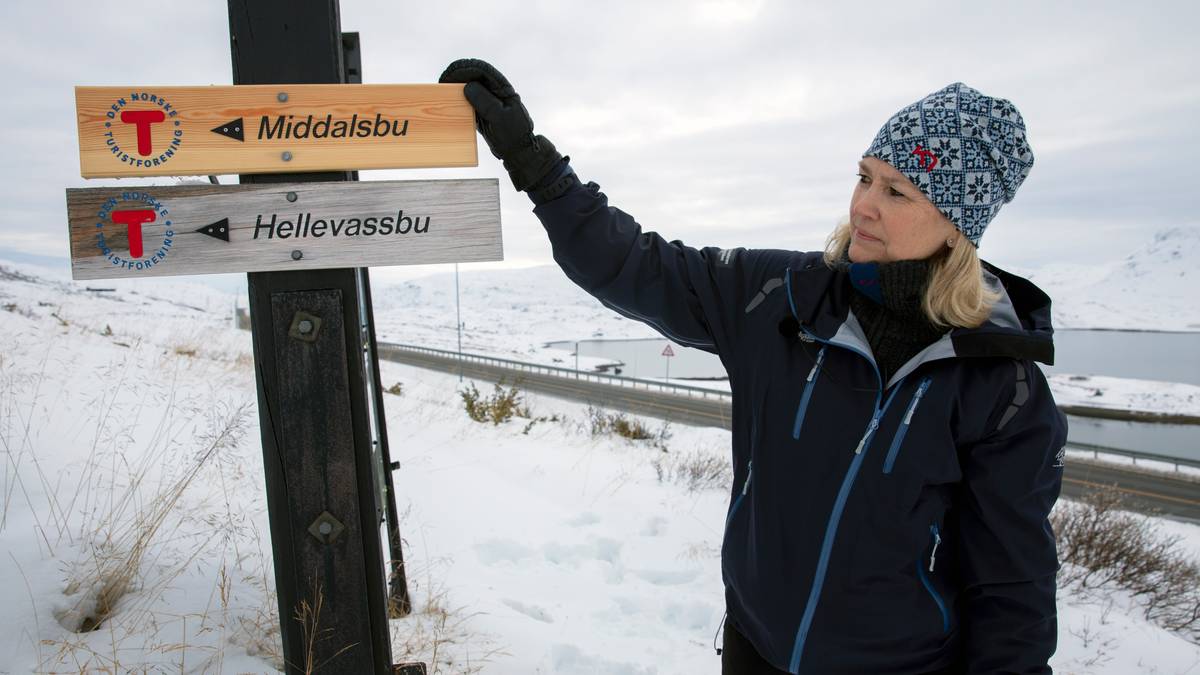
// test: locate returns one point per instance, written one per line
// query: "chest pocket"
(902, 430)
(805, 397)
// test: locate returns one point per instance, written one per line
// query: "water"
(1170, 357)
(1169, 440)
(643, 358)
(1142, 355)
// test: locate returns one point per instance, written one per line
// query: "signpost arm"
(399, 604)
(312, 393)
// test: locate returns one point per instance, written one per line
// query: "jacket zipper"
(745, 490)
(811, 382)
(908, 417)
(839, 504)
(937, 539)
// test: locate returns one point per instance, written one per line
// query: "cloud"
(726, 122)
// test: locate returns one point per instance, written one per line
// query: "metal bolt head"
(326, 528)
(286, 156)
(291, 196)
(297, 254)
(282, 97)
(304, 327)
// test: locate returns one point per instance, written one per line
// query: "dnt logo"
(142, 129)
(134, 231)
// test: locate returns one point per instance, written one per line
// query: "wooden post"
(312, 391)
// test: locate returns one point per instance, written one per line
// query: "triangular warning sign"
(219, 229)
(232, 129)
(668, 351)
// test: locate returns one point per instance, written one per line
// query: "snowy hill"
(532, 547)
(509, 313)
(1153, 288)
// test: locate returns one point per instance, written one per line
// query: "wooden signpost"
(142, 130)
(204, 229)
(296, 126)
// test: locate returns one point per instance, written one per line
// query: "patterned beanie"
(966, 151)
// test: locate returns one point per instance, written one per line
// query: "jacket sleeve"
(689, 295)
(1011, 479)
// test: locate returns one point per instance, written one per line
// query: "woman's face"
(891, 219)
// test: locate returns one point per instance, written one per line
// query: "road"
(1144, 491)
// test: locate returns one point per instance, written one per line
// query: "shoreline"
(1129, 415)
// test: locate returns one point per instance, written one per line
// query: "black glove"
(504, 122)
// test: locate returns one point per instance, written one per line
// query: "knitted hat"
(966, 151)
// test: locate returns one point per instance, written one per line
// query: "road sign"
(177, 131)
(668, 351)
(203, 229)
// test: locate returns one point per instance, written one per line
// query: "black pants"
(738, 657)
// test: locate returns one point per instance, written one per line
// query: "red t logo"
(143, 119)
(132, 219)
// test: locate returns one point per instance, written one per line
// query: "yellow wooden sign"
(176, 131)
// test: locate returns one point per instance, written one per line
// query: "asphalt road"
(1144, 491)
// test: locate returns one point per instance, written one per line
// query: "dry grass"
(130, 544)
(116, 552)
(695, 471)
(603, 422)
(438, 633)
(501, 406)
(188, 350)
(308, 615)
(1105, 547)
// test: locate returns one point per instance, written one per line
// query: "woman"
(896, 450)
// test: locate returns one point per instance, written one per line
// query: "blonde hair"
(956, 296)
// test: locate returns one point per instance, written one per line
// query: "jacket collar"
(1019, 326)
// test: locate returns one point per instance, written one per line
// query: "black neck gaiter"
(888, 305)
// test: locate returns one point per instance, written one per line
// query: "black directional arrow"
(219, 229)
(232, 129)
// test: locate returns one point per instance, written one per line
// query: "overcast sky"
(727, 123)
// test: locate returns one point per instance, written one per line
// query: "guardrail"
(701, 392)
(1134, 455)
(570, 373)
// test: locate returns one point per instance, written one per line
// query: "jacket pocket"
(930, 563)
(810, 382)
(898, 439)
(737, 503)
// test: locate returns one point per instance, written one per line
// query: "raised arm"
(689, 295)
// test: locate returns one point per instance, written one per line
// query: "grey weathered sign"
(204, 229)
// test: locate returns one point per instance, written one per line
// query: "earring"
(950, 242)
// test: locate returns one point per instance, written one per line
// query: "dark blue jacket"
(874, 527)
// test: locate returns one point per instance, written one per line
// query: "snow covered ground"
(131, 446)
(1118, 393)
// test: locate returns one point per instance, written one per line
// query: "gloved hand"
(504, 122)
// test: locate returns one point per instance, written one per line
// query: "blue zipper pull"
(916, 399)
(816, 366)
(870, 430)
(937, 539)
